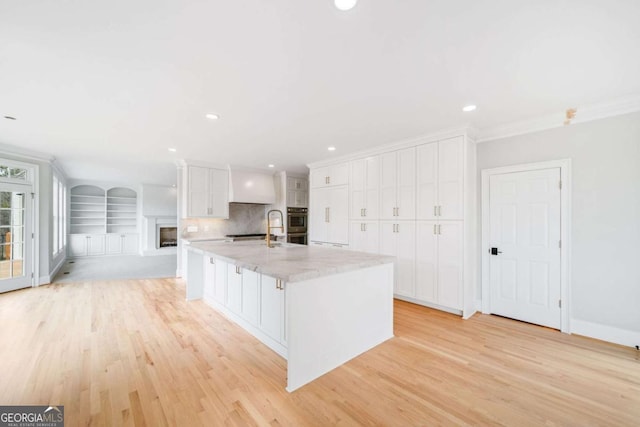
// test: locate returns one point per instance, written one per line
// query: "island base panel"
(335, 318)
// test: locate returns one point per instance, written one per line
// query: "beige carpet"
(117, 267)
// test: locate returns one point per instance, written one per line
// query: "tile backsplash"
(244, 218)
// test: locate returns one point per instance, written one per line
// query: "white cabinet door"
(301, 199)
(234, 289)
(272, 308)
(114, 244)
(357, 187)
(219, 193)
(450, 286)
(77, 245)
(388, 183)
(338, 215)
(406, 235)
(426, 261)
(372, 188)
(220, 282)
(318, 213)
(329, 215)
(364, 236)
(439, 263)
(319, 177)
(398, 239)
(398, 184)
(364, 188)
(209, 278)
(406, 192)
(440, 179)
(427, 181)
(96, 244)
(337, 174)
(297, 198)
(207, 192)
(198, 191)
(130, 243)
(451, 178)
(250, 296)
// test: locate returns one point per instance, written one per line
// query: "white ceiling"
(108, 86)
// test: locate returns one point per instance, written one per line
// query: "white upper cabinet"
(297, 192)
(364, 187)
(398, 184)
(207, 192)
(440, 180)
(327, 176)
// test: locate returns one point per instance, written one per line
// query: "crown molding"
(585, 113)
(394, 146)
(12, 150)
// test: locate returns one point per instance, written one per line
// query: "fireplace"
(167, 236)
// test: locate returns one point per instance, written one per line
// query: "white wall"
(159, 200)
(605, 210)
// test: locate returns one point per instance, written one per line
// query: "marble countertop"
(289, 262)
(204, 239)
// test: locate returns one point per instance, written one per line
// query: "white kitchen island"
(316, 307)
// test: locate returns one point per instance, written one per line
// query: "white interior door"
(16, 256)
(524, 240)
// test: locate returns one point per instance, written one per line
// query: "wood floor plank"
(134, 352)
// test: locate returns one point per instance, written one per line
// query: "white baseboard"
(605, 333)
(45, 280)
(428, 304)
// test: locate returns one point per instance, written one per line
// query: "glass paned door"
(15, 239)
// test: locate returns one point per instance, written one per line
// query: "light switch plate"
(192, 229)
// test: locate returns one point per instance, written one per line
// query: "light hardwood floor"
(134, 352)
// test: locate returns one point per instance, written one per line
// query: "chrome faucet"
(269, 226)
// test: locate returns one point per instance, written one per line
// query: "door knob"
(495, 251)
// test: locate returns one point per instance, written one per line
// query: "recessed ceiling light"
(345, 4)
(332, 148)
(468, 108)
(212, 116)
(272, 166)
(173, 150)
(10, 118)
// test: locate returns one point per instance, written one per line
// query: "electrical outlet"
(192, 229)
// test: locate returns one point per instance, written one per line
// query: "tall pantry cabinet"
(415, 201)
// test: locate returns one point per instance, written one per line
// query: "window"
(12, 173)
(59, 214)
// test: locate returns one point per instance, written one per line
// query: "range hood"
(250, 186)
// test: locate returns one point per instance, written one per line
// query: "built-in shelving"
(87, 214)
(94, 211)
(121, 210)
